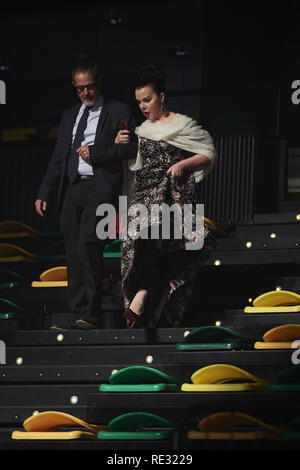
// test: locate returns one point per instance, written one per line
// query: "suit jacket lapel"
(73, 117)
(69, 124)
(103, 115)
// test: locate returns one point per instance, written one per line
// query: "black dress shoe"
(83, 324)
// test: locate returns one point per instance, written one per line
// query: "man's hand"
(176, 170)
(123, 137)
(84, 152)
(41, 207)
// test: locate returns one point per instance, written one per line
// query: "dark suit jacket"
(105, 156)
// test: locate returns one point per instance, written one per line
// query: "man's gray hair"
(86, 65)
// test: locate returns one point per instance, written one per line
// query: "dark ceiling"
(237, 45)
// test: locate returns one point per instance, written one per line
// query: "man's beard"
(89, 102)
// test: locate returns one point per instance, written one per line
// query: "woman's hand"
(123, 137)
(197, 162)
(176, 170)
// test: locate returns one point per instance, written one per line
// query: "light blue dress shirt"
(85, 168)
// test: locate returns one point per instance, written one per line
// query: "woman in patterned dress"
(174, 153)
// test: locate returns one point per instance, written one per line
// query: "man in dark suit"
(86, 170)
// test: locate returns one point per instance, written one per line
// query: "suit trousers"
(84, 250)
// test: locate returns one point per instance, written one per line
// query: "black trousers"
(84, 249)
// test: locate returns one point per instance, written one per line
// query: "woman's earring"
(163, 108)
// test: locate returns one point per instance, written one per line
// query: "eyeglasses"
(89, 87)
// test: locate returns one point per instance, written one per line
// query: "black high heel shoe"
(134, 320)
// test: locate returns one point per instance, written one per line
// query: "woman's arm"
(194, 163)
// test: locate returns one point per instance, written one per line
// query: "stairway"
(48, 370)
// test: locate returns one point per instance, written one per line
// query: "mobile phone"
(124, 125)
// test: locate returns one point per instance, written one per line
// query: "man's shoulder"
(114, 105)
(72, 109)
(110, 104)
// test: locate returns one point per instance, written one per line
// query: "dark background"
(241, 55)
(229, 64)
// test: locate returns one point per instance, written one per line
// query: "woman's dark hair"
(86, 64)
(151, 75)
